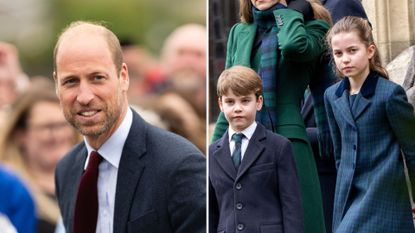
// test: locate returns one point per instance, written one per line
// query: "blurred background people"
(17, 210)
(183, 57)
(12, 80)
(147, 78)
(35, 137)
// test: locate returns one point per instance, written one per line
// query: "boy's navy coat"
(371, 195)
(263, 195)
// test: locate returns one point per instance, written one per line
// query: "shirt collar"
(111, 150)
(248, 132)
(368, 87)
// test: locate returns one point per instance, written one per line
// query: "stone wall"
(393, 23)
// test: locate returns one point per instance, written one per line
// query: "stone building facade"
(393, 25)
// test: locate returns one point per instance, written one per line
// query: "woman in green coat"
(283, 40)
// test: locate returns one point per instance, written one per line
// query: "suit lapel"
(360, 104)
(245, 43)
(131, 166)
(223, 157)
(253, 151)
(342, 105)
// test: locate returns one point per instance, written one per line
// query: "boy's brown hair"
(241, 80)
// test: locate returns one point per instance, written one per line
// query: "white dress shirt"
(248, 132)
(108, 170)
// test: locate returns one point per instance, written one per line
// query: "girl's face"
(264, 4)
(351, 55)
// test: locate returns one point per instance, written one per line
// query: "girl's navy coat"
(371, 195)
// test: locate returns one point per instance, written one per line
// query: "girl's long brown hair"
(364, 31)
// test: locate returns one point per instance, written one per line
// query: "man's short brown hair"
(241, 80)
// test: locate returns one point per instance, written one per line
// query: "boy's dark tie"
(86, 209)
(236, 155)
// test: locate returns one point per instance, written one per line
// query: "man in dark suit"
(126, 176)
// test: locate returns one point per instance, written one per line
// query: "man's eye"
(69, 82)
(98, 77)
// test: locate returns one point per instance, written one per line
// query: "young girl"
(371, 122)
(282, 41)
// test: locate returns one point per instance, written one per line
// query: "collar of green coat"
(368, 87)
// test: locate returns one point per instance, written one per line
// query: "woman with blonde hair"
(35, 137)
(283, 41)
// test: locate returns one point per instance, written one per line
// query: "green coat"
(301, 46)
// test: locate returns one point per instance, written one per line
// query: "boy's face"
(240, 111)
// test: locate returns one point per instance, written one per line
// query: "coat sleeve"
(299, 41)
(402, 121)
(289, 190)
(334, 129)
(230, 47)
(187, 195)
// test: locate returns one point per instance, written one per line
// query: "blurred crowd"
(169, 92)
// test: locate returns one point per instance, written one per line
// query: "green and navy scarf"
(268, 66)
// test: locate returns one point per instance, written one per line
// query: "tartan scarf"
(268, 65)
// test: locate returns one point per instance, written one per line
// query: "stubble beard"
(111, 116)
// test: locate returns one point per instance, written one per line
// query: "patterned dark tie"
(86, 209)
(236, 155)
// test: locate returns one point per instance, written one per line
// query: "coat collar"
(132, 164)
(368, 87)
(222, 155)
(253, 151)
(245, 43)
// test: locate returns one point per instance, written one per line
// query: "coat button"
(240, 227)
(238, 186)
(354, 147)
(239, 206)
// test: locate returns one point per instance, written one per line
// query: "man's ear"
(124, 77)
(55, 78)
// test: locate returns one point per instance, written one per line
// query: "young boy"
(253, 185)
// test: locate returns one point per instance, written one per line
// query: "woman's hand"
(302, 6)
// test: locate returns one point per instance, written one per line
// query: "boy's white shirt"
(248, 132)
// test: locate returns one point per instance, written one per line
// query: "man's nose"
(85, 94)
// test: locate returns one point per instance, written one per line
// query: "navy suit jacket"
(160, 185)
(263, 195)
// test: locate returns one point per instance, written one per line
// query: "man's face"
(91, 92)
(240, 111)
